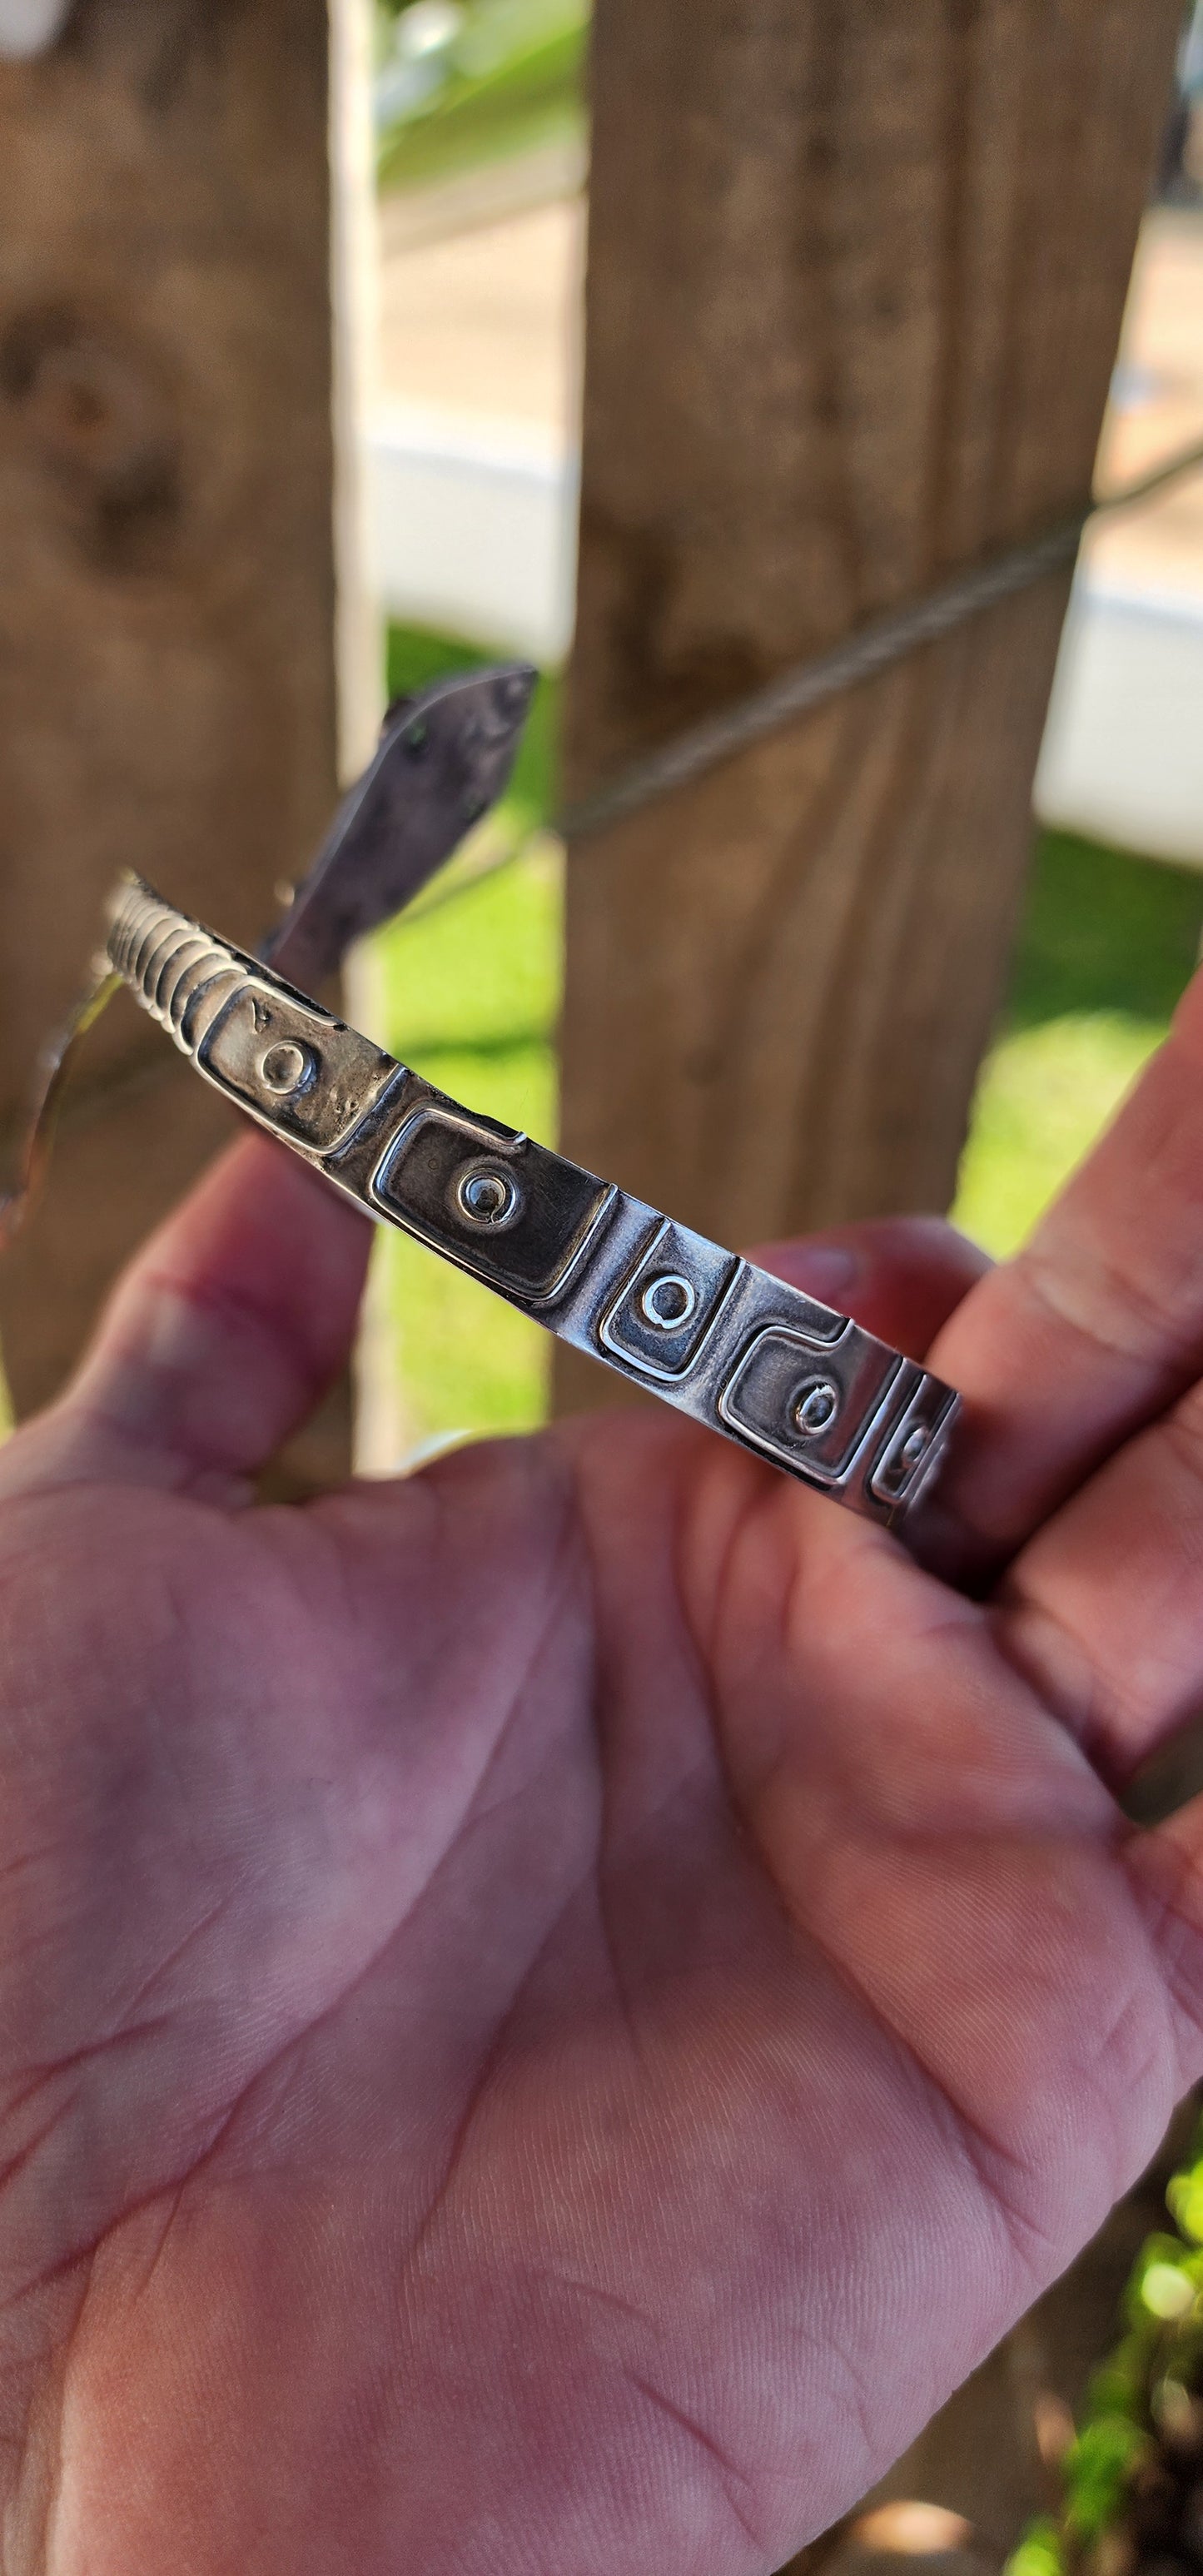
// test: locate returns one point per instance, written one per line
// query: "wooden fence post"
(167, 608)
(856, 273)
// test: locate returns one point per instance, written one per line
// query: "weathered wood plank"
(167, 679)
(856, 275)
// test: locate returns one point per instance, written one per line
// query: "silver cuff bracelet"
(724, 1342)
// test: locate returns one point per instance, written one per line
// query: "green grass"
(472, 989)
(1106, 945)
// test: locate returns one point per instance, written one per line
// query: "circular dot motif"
(815, 1407)
(487, 1197)
(668, 1301)
(285, 1066)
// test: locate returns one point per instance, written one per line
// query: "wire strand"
(884, 641)
(810, 684)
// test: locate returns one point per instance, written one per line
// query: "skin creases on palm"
(526, 1992)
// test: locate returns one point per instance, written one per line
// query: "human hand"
(550, 2010)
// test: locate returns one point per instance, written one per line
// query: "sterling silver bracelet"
(722, 1341)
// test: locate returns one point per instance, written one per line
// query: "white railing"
(475, 533)
(1122, 758)
(475, 528)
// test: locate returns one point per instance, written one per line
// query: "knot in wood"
(91, 408)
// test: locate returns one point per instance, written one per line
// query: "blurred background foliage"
(459, 82)
(1132, 2475)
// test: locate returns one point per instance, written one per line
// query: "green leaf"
(1098, 2468)
(1039, 2553)
(1184, 2200)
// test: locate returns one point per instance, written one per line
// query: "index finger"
(218, 1341)
(1092, 1330)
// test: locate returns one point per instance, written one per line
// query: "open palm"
(549, 2011)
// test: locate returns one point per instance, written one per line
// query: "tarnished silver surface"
(706, 1331)
(443, 758)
